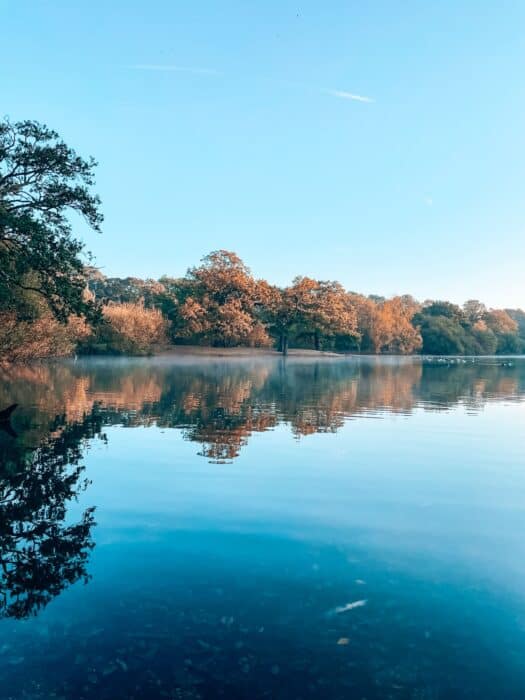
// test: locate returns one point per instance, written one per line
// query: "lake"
(263, 528)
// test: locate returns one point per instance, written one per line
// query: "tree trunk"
(317, 341)
(284, 348)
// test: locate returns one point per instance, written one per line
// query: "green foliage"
(441, 335)
(510, 344)
(42, 182)
(445, 309)
(446, 329)
(518, 315)
(482, 342)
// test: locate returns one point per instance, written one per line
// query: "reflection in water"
(220, 404)
(40, 554)
(217, 582)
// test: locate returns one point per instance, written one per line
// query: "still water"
(259, 528)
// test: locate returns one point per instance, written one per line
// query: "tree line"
(54, 302)
(219, 303)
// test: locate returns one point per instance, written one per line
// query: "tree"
(480, 340)
(444, 308)
(332, 313)
(124, 290)
(365, 309)
(518, 315)
(509, 344)
(441, 335)
(42, 182)
(391, 329)
(500, 322)
(310, 308)
(221, 302)
(281, 314)
(474, 311)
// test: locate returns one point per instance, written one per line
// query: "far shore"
(189, 351)
(206, 351)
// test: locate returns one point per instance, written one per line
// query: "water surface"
(263, 528)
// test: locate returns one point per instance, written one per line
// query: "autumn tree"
(289, 309)
(391, 328)
(221, 302)
(365, 308)
(280, 314)
(312, 308)
(332, 313)
(500, 322)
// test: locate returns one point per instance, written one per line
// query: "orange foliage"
(500, 322)
(391, 329)
(221, 306)
(135, 328)
(21, 341)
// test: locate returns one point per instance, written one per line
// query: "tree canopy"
(42, 183)
(220, 303)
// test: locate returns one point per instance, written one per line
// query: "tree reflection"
(216, 405)
(40, 552)
(221, 404)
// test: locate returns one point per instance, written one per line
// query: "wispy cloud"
(349, 96)
(169, 68)
(174, 68)
(428, 201)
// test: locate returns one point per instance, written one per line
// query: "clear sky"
(378, 143)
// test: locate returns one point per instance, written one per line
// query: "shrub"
(128, 328)
(22, 341)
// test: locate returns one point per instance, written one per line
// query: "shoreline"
(208, 351)
(189, 352)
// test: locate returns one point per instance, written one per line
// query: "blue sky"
(236, 125)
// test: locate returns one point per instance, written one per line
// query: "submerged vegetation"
(54, 303)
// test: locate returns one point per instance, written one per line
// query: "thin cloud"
(349, 96)
(168, 68)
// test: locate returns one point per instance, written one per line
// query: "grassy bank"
(205, 351)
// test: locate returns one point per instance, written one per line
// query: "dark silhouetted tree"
(42, 182)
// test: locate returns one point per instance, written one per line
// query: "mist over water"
(293, 528)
